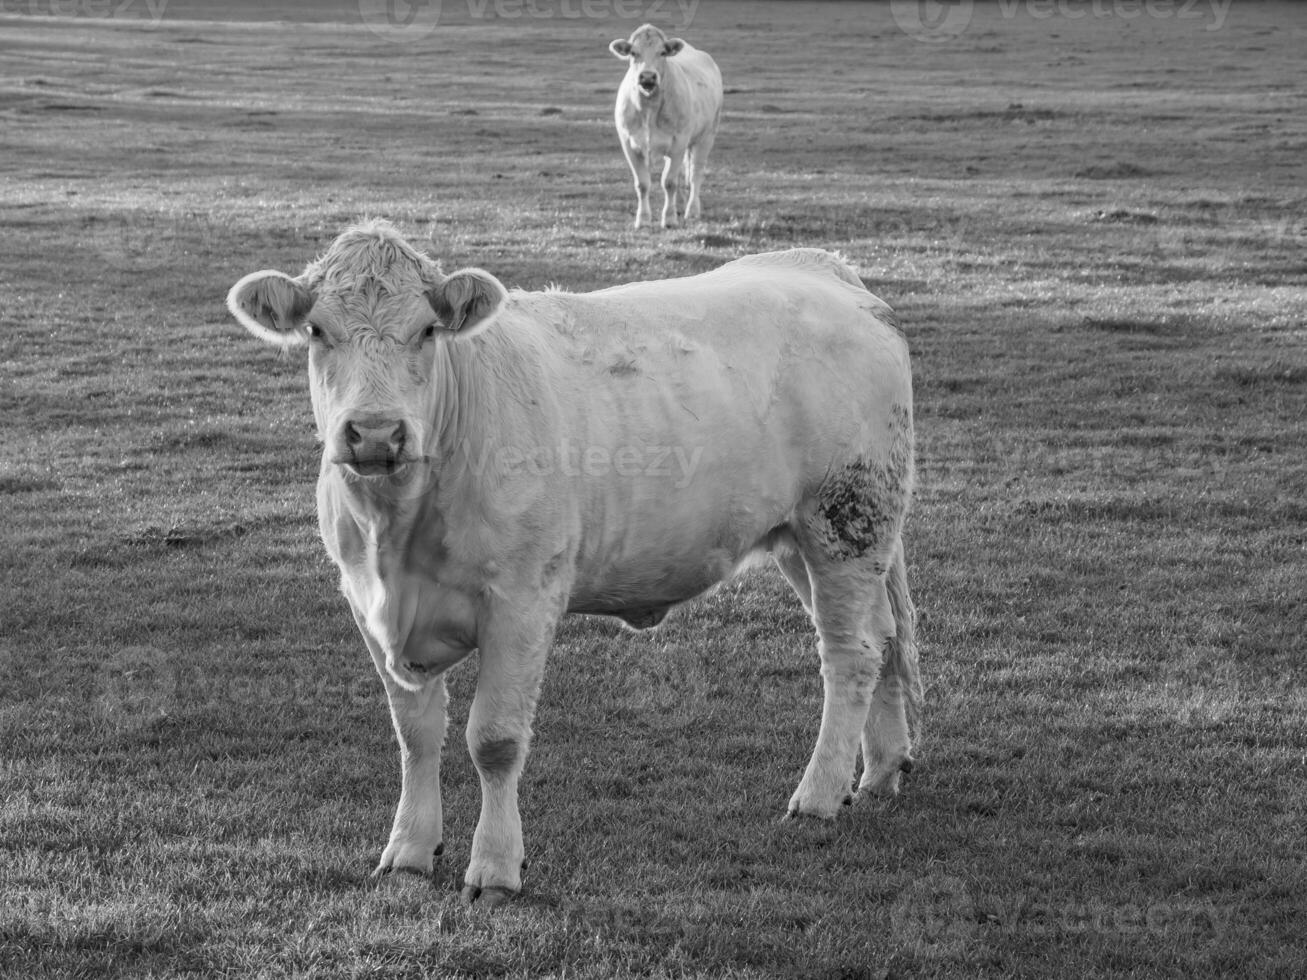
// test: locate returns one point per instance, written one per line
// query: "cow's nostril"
(352, 434)
(400, 434)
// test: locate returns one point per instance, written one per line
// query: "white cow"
(669, 105)
(493, 460)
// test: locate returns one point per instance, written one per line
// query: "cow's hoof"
(796, 814)
(493, 897)
(382, 873)
(885, 785)
(395, 861)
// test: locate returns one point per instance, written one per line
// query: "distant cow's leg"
(887, 740)
(696, 167)
(417, 834)
(851, 610)
(512, 662)
(638, 161)
(672, 178)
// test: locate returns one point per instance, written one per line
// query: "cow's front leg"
(512, 661)
(417, 834)
(419, 717)
(638, 160)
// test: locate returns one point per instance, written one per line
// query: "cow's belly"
(641, 566)
(641, 590)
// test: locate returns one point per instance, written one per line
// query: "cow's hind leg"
(848, 535)
(887, 737)
(696, 166)
(672, 177)
(851, 610)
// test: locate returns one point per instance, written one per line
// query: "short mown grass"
(1093, 231)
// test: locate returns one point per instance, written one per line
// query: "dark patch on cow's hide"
(496, 755)
(862, 504)
(623, 368)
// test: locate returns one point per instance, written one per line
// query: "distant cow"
(493, 460)
(669, 105)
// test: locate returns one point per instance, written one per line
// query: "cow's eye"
(429, 332)
(314, 331)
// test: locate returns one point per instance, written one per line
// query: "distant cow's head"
(374, 313)
(647, 51)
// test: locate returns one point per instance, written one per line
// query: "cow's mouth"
(378, 467)
(648, 88)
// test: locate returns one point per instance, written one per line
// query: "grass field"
(1094, 226)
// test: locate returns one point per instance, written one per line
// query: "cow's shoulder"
(831, 266)
(804, 260)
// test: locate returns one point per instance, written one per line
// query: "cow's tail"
(901, 650)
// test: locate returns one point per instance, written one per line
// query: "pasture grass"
(1094, 232)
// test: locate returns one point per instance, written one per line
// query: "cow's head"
(647, 51)
(374, 313)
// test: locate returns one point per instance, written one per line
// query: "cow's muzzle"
(372, 447)
(648, 82)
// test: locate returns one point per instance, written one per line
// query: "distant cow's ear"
(272, 306)
(672, 47)
(468, 301)
(620, 48)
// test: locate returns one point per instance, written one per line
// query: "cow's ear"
(672, 47)
(272, 306)
(620, 48)
(468, 301)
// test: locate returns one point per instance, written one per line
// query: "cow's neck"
(480, 415)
